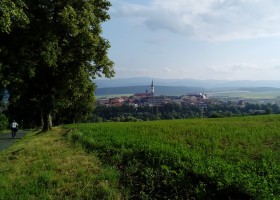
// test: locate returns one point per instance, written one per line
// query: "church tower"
(152, 88)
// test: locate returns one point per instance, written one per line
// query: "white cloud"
(151, 72)
(206, 19)
(236, 67)
(276, 68)
(244, 66)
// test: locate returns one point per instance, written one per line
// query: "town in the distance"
(149, 98)
(198, 98)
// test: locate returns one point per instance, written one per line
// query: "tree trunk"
(47, 120)
(42, 119)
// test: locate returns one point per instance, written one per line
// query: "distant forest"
(127, 113)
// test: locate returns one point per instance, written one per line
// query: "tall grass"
(229, 158)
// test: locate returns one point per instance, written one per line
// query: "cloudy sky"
(196, 39)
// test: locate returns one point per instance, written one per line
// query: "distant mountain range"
(159, 90)
(140, 81)
(179, 86)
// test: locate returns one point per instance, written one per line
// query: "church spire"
(152, 88)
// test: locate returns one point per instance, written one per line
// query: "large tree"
(12, 15)
(49, 58)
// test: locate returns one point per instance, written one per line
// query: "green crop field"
(229, 158)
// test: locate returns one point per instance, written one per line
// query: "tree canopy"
(12, 15)
(50, 53)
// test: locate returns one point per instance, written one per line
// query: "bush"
(3, 122)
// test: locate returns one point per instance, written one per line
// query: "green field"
(229, 158)
(246, 94)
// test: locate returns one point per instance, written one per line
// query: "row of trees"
(50, 52)
(176, 111)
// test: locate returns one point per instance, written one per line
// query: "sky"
(195, 39)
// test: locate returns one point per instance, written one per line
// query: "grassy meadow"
(46, 166)
(229, 158)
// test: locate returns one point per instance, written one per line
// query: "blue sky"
(195, 39)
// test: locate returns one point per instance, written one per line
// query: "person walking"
(14, 128)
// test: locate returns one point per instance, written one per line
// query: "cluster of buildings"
(150, 99)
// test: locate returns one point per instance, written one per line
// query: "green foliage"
(49, 64)
(12, 15)
(3, 122)
(228, 158)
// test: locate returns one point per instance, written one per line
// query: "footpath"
(7, 140)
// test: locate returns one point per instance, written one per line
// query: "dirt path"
(7, 140)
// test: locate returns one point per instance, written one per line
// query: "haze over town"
(195, 39)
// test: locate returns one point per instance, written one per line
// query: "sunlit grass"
(45, 166)
(237, 158)
(229, 158)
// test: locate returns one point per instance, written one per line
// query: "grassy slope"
(46, 166)
(233, 158)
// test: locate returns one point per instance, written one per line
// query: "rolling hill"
(178, 87)
(159, 90)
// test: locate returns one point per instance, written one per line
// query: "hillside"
(175, 87)
(226, 158)
(229, 158)
(160, 90)
(207, 84)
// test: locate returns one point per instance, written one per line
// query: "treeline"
(177, 111)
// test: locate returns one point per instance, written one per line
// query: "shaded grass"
(6, 131)
(229, 158)
(45, 166)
